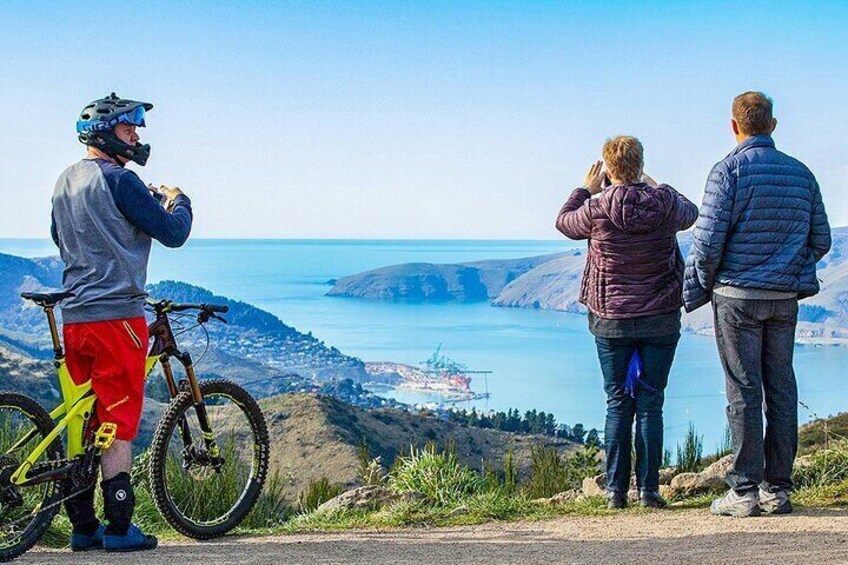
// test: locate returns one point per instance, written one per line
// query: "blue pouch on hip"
(634, 376)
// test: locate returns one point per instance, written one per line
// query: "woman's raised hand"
(595, 177)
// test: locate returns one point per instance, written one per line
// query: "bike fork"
(199, 407)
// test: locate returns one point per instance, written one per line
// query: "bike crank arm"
(56, 474)
(41, 509)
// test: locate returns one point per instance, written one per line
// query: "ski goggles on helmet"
(134, 117)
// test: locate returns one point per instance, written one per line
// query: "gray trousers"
(756, 340)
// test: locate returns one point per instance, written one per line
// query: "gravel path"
(685, 536)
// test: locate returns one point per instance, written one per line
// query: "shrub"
(510, 473)
(824, 467)
(551, 473)
(689, 455)
(504, 480)
(436, 474)
(317, 493)
(271, 509)
(371, 471)
(822, 430)
(726, 445)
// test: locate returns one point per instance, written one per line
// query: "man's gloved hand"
(166, 195)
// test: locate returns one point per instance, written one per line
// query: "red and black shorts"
(112, 355)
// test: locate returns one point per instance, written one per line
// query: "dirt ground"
(686, 536)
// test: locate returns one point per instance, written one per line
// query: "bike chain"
(52, 465)
(50, 506)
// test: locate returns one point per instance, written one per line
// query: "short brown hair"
(753, 113)
(623, 157)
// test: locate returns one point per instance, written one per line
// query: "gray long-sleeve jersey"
(104, 220)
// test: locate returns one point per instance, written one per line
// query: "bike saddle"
(45, 299)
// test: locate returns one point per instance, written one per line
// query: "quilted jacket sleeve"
(709, 237)
(713, 226)
(819, 238)
(575, 217)
(686, 212)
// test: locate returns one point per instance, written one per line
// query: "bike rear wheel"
(25, 512)
(198, 495)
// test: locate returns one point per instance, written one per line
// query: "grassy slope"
(812, 435)
(317, 436)
(822, 483)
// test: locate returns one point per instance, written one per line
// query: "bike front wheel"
(202, 493)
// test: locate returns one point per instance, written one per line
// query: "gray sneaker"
(775, 502)
(736, 505)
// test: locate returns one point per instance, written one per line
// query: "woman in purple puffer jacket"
(632, 286)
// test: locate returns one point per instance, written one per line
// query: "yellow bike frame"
(72, 414)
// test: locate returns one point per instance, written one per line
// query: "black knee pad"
(118, 503)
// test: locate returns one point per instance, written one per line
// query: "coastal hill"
(552, 282)
(465, 282)
(17, 317)
(254, 346)
(259, 336)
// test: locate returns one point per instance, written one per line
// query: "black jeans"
(756, 341)
(657, 354)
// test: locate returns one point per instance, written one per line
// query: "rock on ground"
(561, 498)
(369, 497)
(708, 480)
(666, 474)
(595, 486)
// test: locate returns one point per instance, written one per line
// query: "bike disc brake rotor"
(198, 464)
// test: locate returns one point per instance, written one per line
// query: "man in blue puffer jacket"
(762, 229)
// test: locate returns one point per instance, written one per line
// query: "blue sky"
(411, 119)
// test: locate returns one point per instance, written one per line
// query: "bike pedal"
(105, 435)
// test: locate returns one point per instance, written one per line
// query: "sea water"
(539, 360)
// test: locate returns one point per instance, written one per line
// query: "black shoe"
(652, 499)
(616, 500)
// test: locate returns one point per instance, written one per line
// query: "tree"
(498, 420)
(578, 433)
(550, 425)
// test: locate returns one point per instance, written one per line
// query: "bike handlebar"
(211, 308)
(168, 306)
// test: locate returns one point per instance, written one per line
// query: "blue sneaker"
(133, 540)
(81, 542)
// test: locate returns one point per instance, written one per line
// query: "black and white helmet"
(97, 121)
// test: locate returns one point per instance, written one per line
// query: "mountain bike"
(207, 461)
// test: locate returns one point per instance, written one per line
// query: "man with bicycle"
(104, 220)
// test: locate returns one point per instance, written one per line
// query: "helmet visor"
(133, 117)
